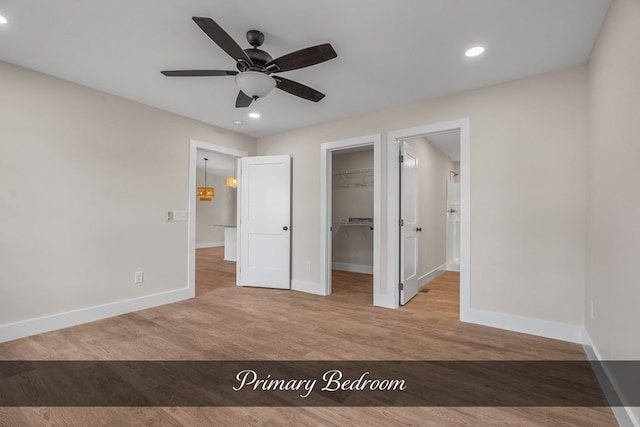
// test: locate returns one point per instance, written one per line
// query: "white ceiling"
(220, 165)
(390, 52)
(448, 143)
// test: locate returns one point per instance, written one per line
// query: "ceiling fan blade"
(304, 58)
(198, 73)
(243, 101)
(298, 89)
(222, 39)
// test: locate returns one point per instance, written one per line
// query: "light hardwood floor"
(226, 322)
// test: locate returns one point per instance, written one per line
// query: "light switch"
(179, 215)
(176, 215)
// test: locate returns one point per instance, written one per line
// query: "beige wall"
(352, 197)
(528, 160)
(613, 225)
(86, 181)
(433, 172)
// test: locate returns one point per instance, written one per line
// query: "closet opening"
(352, 223)
(350, 219)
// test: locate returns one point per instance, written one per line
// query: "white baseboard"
(526, 325)
(40, 325)
(354, 268)
(624, 415)
(209, 245)
(422, 280)
(453, 267)
(308, 287)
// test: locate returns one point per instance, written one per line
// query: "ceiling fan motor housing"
(259, 57)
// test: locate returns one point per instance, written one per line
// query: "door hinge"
(402, 286)
(402, 223)
(401, 158)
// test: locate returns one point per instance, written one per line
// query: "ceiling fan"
(256, 67)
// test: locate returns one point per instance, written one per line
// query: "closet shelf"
(336, 226)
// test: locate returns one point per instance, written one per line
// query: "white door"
(408, 223)
(265, 222)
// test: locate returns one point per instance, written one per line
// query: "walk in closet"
(352, 210)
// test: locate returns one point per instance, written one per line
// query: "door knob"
(419, 229)
(285, 228)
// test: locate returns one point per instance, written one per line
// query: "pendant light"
(205, 193)
(232, 181)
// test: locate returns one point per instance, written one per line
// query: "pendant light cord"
(205, 171)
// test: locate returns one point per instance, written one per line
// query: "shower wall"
(453, 224)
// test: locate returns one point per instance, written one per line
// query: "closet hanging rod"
(353, 171)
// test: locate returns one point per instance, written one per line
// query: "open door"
(264, 234)
(408, 223)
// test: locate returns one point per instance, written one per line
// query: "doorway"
(197, 151)
(216, 215)
(342, 222)
(394, 200)
(431, 240)
(352, 221)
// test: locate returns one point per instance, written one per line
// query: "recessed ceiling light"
(3, 20)
(237, 122)
(254, 115)
(474, 51)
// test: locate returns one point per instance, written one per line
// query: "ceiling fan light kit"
(255, 66)
(255, 84)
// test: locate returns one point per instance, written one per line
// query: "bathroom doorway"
(457, 175)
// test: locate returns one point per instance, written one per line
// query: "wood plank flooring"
(226, 322)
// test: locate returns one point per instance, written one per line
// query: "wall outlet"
(591, 314)
(307, 266)
(138, 277)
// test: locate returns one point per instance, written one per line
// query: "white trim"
(354, 268)
(526, 325)
(624, 415)
(453, 267)
(308, 287)
(326, 150)
(392, 297)
(425, 278)
(194, 146)
(40, 325)
(209, 245)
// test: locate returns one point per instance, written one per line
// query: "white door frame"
(194, 146)
(326, 151)
(393, 203)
